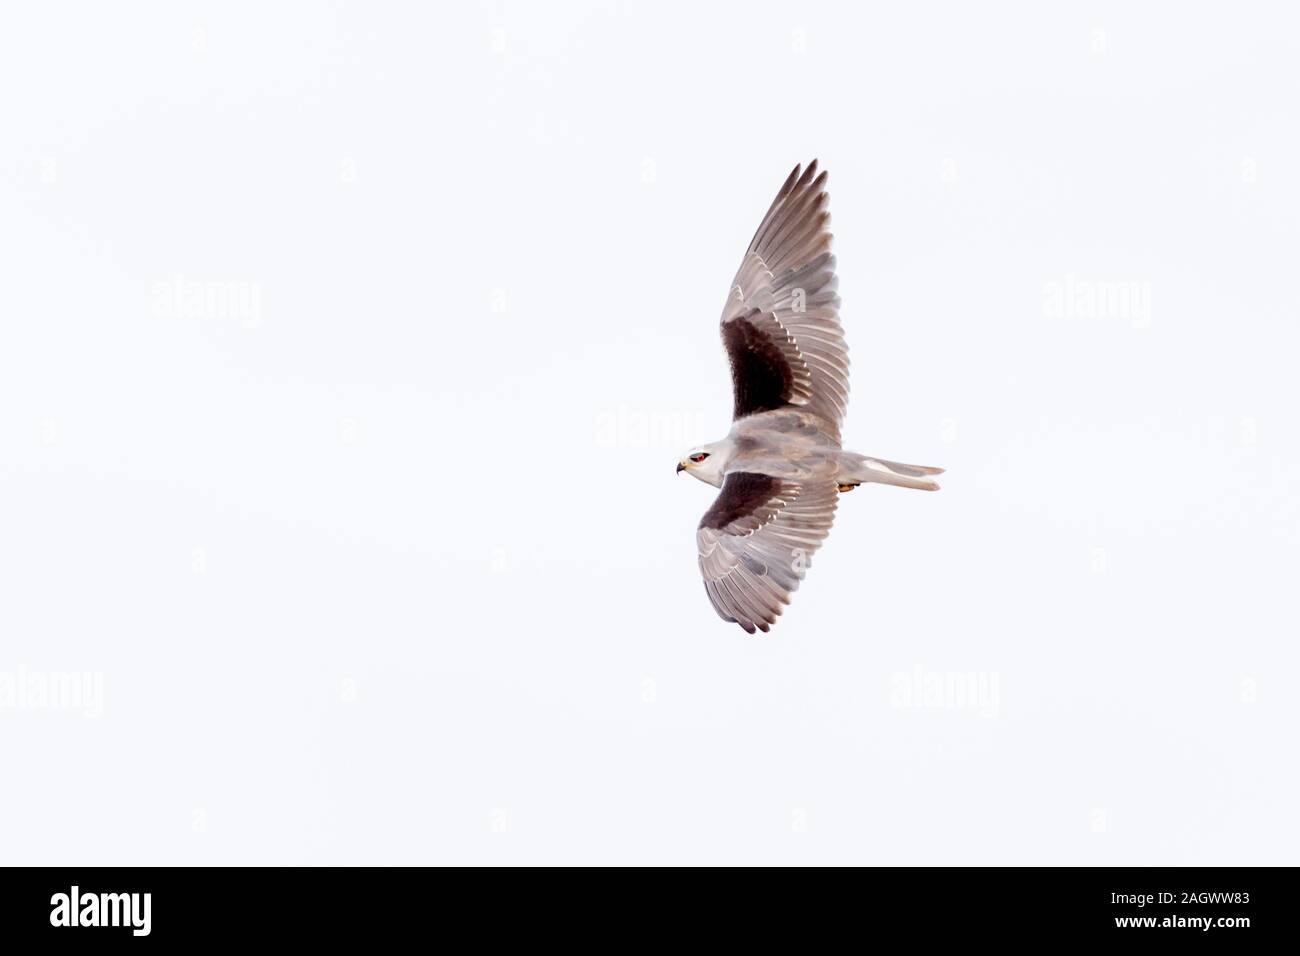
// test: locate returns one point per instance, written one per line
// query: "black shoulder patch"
(743, 493)
(761, 378)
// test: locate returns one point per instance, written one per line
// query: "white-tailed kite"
(781, 469)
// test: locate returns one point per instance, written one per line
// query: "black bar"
(1231, 907)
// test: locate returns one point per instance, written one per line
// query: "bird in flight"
(781, 468)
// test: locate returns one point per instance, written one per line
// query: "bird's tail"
(858, 469)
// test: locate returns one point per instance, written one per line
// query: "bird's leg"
(849, 487)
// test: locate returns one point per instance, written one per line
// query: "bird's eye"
(700, 457)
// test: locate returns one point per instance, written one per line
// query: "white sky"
(380, 566)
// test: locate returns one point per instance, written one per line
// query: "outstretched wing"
(757, 540)
(781, 325)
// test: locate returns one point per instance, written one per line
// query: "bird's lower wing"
(756, 543)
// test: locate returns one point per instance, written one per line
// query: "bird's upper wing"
(781, 323)
(757, 540)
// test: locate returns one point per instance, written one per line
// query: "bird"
(781, 468)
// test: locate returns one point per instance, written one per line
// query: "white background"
(398, 569)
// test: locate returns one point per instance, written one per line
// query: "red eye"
(700, 457)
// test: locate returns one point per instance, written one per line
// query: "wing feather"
(781, 322)
(756, 542)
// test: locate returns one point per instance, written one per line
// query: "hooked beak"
(680, 468)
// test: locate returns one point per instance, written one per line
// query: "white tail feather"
(860, 469)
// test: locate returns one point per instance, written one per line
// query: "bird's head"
(706, 463)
